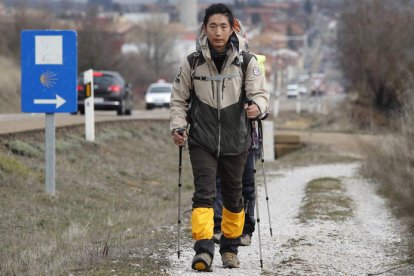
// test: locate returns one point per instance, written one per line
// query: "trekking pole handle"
(249, 103)
(180, 131)
(263, 117)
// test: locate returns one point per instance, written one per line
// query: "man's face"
(218, 31)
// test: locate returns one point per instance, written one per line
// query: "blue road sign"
(49, 71)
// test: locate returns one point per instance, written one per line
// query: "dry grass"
(10, 85)
(391, 163)
(340, 118)
(325, 199)
(114, 206)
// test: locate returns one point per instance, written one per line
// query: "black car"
(111, 92)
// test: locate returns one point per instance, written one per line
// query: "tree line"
(99, 45)
(376, 51)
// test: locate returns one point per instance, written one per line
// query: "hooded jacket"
(217, 117)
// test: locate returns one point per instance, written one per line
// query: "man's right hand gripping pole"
(179, 136)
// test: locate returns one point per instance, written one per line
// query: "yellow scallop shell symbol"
(48, 79)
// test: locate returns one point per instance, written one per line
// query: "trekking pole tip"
(271, 232)
(261, 264)
(178, 254)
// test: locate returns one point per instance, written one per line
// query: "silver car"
(158, 95)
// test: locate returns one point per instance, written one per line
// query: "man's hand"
(252, 111)
(179, 137)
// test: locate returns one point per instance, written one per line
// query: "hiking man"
(212, 93)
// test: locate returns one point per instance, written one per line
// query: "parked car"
(292, 90)
(158, 95)
(111, 92)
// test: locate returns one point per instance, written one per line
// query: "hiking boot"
(216, 237)
(230, 260)
(202, 262)
(245, 240)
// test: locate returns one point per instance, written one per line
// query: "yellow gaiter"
(202, 223)
(232, 224)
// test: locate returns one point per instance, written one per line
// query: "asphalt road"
(10, 123)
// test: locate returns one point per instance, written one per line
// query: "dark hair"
(218, 8)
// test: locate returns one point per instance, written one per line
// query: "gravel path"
(371, 241)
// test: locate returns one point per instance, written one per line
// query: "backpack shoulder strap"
(193, 60)
(247, 56)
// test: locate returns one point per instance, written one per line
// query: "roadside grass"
(115, 207)
(337, 120)
(10, 85)
(24, 148)
(325, 199)
(390, 163)
(9, 166)
(313, 153)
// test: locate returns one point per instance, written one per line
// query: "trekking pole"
(253, 123)
(180, 154)
(259, 122)
(258, 214)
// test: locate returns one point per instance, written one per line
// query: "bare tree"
(97, 45)
(157, 42)
(10, 27)
(376, 50)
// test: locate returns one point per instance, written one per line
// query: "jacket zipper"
(219, 119)
(219, 104)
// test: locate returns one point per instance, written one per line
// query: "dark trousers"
(206, 166)
(248, 192)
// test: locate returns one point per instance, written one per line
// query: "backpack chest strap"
(218, 77)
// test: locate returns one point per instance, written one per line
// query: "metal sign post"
(50, 155)
(48, 83)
